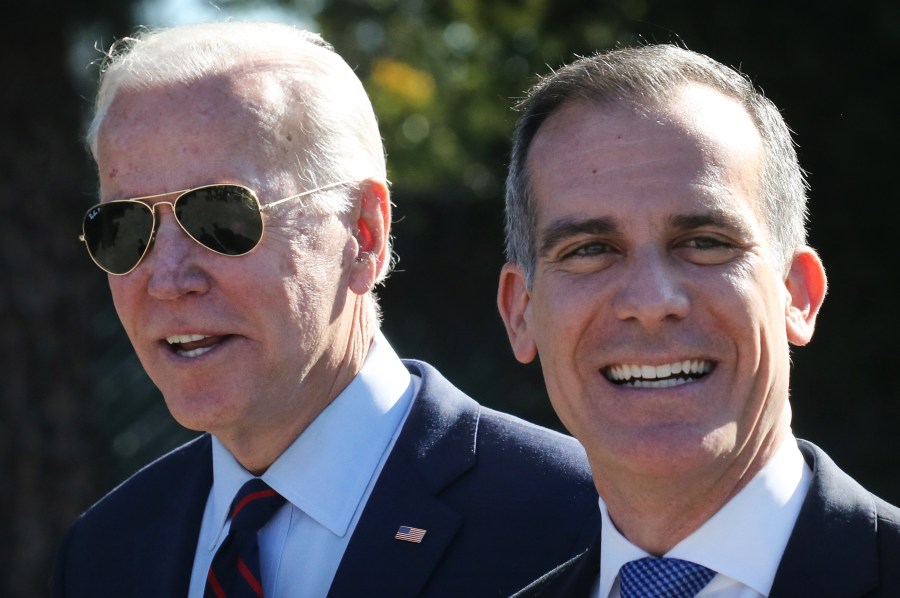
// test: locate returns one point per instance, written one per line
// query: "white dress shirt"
(743, 542)
(326, 477)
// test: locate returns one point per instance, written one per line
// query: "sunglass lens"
(224, 218)
(117, 234)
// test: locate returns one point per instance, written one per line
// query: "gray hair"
(643, 77)
(322, 101)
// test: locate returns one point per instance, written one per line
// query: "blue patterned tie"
(653, 577)
(234, 572)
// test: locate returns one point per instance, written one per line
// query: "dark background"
(78, 414)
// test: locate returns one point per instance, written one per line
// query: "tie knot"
(653, 577)
(253, 506)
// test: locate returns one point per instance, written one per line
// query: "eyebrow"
(717, 218)
(565, 228)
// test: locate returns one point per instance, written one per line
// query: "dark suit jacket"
(845, 544)
(502, 501)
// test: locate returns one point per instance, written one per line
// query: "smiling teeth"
(180, 339)
(658, 376)
(177, 340)
(194, 352)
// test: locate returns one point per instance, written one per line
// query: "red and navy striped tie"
(234, 572)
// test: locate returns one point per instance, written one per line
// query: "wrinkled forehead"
(244, 114)
(697, 134)
(212, 102)
(182, 136)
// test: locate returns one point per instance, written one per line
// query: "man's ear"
(513, 299)
(371, 231)
(806, 286)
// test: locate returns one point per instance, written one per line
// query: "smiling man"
(658, 268)
(244, 222)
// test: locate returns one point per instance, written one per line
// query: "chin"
(200, 411)
(668, 452)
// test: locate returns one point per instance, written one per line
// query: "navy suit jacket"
(845, 544)
(502, 501)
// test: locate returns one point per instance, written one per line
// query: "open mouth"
(658, 376)
(193, 345)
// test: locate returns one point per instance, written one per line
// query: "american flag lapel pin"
(410, 534)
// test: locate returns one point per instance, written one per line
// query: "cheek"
(562, 321)
(741, 302)
(324, 245)
(756, 321)
(296, 262)
(571, 310)
(761, 301)
(313, 274)
(125, 293)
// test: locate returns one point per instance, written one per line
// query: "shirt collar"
(744, 540)
(325, 472)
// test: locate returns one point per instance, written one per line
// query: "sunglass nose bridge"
(155, 205)
(157, 221)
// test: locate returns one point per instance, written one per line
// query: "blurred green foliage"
(441, 75)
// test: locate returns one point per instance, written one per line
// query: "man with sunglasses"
(658, 266)
(244, 221)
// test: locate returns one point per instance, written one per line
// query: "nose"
(651, 291)
(173, 263)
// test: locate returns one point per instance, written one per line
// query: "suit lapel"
(164, 560)
(574, 578)
(436, 446)
(835, 534)
(375, 563)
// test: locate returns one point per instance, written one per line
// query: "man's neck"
(656, 514)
